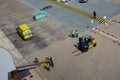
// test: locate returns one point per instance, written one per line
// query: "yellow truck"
(24, 31)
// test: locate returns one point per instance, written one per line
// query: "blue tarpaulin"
(40, 15)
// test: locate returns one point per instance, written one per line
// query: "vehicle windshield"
(27, 32)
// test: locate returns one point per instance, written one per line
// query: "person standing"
(94, 14)
(36, 61)
(76, 33)
(73, 33)
(47, 66)
(48, 60)
(51, 61)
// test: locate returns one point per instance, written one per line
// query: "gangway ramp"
(27, 67)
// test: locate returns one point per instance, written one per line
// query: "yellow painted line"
(71, 8)
(101, 20)
(98, 19)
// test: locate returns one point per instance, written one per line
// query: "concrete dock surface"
(52, 39)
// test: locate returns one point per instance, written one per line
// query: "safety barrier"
(111, 21)
(109, 36)
(114, 20)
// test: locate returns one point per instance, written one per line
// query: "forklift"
(86, 42)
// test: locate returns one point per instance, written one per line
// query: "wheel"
(84, 49)
(95, 45)
(83, 1)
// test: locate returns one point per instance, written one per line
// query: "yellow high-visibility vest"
(76, 32)
(47, 65)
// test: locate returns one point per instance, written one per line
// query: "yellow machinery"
(86, 42)
(93, 43)
(42, 63)
(47, 63)
(24, 31)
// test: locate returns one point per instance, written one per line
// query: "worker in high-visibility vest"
(36, 60)
(47, 66)
(76, 33)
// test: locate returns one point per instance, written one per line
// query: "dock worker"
(76, 33)
(73, 33)
(36, 61)
(51, 62)
(94, 14)
(47, 66)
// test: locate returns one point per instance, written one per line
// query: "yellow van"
(24, 31)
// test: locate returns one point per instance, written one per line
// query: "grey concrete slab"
(44, 31)
(73, 20)
(101, 7)
(43, 35)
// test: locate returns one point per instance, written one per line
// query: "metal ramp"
(26, 67)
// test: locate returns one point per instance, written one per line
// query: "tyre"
(95, 45)
(84, 49)
(83, 1)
